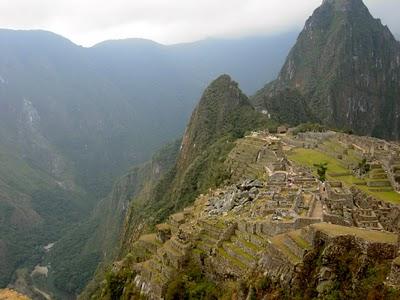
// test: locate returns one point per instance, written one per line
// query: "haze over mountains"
(72, 119)
(341, 72)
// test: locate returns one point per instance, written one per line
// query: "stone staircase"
(292, 246)
(240, 253)
(152, 279)
(254, 239)
(173, 254)
(210, 233)
(366, 218)
(248, 158)
(150, 242)
(378, 180)
(155, 273)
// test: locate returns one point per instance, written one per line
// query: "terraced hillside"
(248, 158)
(343, 157)
(277, 230)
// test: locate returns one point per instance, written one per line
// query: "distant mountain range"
(73, 119)
(343, 72)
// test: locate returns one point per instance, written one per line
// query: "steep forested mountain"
(76, 256)
(223, 114)
(343, 71)
(72, 119)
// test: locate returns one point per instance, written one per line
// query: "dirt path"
(44, 294)
(317, 211)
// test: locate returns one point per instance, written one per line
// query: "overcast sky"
(87, 22)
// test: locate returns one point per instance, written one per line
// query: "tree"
(363, 167)
(321, 171)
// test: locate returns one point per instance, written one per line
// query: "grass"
(247, 244)
(231, 259)
(207, 238)
(279, 242)
(251, 237)
(296, 236)
(168, 247)
(369, 235)
(150, 238)
(239, 251)
(309, 157)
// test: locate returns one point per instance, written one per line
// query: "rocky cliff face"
(343, 71)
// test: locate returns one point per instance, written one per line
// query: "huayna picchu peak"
(343, 71)
(223, 109)
(345, 5)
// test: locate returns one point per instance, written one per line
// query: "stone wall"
(394, 276)
(272, 228)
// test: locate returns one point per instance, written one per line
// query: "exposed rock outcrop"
(343, 71)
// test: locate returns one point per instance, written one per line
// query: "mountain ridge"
(343, 63)
(215, 241)
(222, 115)
(58, 123)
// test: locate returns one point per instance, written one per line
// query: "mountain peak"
(213, 116)
(344, 71)
(344, 5)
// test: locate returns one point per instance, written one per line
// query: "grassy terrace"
(279, 242)
(300, 241)
(309, 157)
(150, 238)
(231, 259)
(369, 235)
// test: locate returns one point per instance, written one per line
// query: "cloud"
(168, 21)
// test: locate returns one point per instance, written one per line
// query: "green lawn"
(310, 157)
(370, 235)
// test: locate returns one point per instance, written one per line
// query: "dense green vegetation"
(369, 282)
(74, 119)
(34, 211)
(77, 255)
(222, 116)
(321, 171)
(191, 283)
(307, 127)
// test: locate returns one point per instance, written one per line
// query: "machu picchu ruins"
(275, 216)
